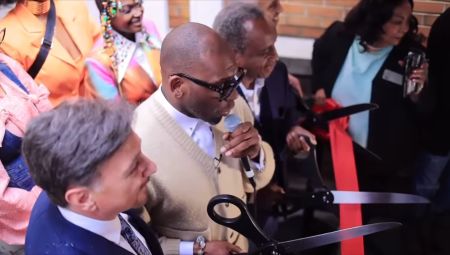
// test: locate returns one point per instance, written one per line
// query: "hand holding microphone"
(243, 139)
(244, 143)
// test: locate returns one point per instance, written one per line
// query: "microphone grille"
(232, 121)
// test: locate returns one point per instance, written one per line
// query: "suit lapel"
(384, 93)
(270, 94)
(36, 30)
(82, 239)
(146, 232)
(338, 54)
(31, 25)
(71, 22)
(257, 123)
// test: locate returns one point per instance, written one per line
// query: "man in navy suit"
(267, 91)
(89, 163)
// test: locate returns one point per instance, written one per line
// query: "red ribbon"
(345, 174)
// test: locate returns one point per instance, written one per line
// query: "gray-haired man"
(88, 161)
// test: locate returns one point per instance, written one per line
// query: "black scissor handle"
(308, 141)
(243, 224)
(311, 163)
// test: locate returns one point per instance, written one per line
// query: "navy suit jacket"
(51, 234)
(277, 116)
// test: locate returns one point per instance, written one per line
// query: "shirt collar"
(259, 84)
(107, 229)
(141, 37)
(187, 123)
(125, 49)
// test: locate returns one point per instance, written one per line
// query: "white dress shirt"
(202, 135)
(253, 96)
(107, 229)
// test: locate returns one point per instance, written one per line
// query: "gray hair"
(66, 146)
(229, 23)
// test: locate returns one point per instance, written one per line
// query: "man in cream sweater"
(181, 127)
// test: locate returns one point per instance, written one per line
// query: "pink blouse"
(17, 108)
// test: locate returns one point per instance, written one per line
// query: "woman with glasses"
(361, 60)
(21, 99)
(125, 61)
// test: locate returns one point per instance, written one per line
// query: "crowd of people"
(113, 140)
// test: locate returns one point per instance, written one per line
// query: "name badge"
(393, 77)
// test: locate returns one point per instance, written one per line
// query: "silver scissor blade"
(310, 242)
(360, 197)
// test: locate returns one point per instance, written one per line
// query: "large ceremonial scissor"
(246, 226)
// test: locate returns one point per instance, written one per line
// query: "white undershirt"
(253, 96)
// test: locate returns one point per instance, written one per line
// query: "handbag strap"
(46, 43)
(12, 76)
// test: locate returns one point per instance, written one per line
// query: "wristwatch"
(201, 241)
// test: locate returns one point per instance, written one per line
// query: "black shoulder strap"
(46, 43)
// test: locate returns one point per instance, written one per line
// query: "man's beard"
(197, 114)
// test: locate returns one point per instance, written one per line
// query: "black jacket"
(278, 115)
(436, 135)
(394, 126)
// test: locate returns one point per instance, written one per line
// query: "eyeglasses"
(224, 89)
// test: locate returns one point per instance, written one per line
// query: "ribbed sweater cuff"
(171, 246)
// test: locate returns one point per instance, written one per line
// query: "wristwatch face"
(200, 239)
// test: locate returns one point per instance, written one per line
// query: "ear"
(80, 197)
(177, 86)
(239, 57)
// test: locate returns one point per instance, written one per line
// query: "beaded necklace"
(37, 7)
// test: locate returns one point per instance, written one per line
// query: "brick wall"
(178, 12)
(309, 18)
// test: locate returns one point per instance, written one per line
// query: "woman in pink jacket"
(21, 99)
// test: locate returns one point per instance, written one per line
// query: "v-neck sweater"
(187, 177)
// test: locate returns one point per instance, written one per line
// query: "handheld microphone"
(232, 122)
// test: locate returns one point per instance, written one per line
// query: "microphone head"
(232, 122)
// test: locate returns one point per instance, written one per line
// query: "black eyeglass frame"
(225, 89)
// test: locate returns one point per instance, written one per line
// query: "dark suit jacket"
(49, 233)
(278, 114)
(394, 127)
(437, 124)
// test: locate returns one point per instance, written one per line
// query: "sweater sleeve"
(170, 246)
(262, 178)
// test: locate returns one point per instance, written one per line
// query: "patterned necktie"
(132, 239)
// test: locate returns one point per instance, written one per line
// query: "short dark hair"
(229, 23)
(368, 17)
(65, 146)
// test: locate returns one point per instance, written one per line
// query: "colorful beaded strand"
(109, 12)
